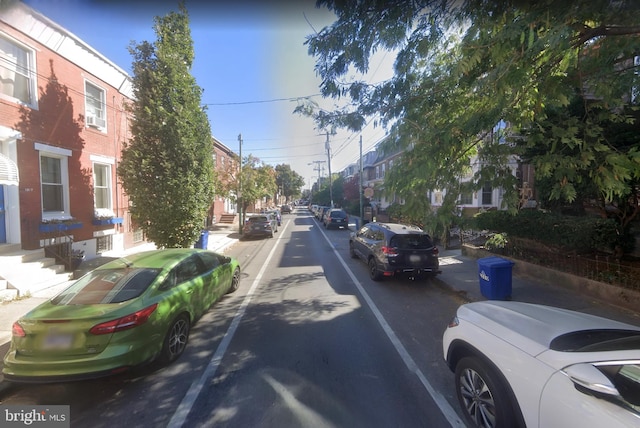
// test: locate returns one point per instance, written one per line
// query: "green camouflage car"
(125, 313)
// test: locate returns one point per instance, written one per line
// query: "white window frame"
(486, 191)
(107, 163)
(94, 117)
(63, 156)
(635, 90)
(9, 65)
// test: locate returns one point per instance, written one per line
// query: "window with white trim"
(95, 115)
(487, 194)
(17, 74)
(466, 198)
(54, 182)
(635, 90)
(102, 187)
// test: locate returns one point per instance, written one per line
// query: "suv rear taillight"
(435, 251)
(389, 251)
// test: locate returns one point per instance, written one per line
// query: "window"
(382, 170)
(104, 243)
(466, 198)
(54, 188)
(102, 186)
(17, 76)
(487, 194)
(635, 90)
(95, 106)
(54, 181)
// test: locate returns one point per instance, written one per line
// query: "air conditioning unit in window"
(95, 122)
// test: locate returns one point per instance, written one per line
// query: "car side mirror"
(589, 379)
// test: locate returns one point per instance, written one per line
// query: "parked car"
(260, 226)
(336, 218)
(320, 212)
(125, 313)
(285, 209)
(518, 364)
(392, 249)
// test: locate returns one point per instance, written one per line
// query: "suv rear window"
(338, 214)
(412, 241)
(258, 219)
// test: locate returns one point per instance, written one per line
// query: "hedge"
(579, 234)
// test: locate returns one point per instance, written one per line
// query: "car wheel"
(483, 396)
(374, 273)
(352, 253)
(235, 281)
(176, 340)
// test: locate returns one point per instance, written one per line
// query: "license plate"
(58, 341)
(414, 258)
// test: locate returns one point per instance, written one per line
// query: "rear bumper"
(412, 271)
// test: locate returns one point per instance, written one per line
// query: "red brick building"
(62, 124)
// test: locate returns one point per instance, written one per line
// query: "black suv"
(392, 249)
(335, 217)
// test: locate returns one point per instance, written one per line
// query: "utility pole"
(240, 188)
(328, 147)
(360, 191)
(317, 168)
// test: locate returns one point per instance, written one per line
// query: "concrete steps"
(25, 272)
(227, 218)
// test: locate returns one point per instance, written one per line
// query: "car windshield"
(107, 286)
(596, 341)
(412, 241)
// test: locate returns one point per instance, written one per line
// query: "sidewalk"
(459, 274)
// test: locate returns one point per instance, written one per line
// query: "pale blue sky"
(246, 52)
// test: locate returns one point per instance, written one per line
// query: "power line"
(262, 101)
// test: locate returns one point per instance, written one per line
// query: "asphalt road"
(308, 340)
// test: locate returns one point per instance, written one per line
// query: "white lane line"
(447, 411)
(181, 413)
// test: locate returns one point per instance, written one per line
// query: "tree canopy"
(289, 182)
(462, 68)
(167, 167)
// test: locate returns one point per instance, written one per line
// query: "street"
(308, 340)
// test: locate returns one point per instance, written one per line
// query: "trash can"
(203, 240)
(495, 277)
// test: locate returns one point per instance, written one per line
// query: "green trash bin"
(495, 278)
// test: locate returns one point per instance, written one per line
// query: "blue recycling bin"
(203, 240)
(495, 277)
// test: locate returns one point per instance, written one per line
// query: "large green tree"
(289, 182)
(463, 67)
(167, 167)
(258, 182)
